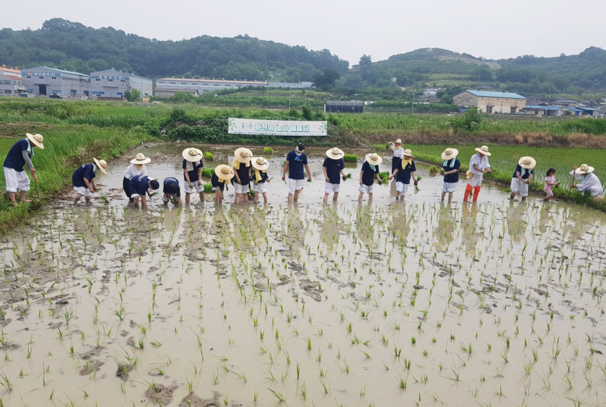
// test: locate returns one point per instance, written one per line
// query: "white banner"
(276, 127)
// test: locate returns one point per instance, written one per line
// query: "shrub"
(208, 156)
(268, 150)
(208, 172)
(352, 158)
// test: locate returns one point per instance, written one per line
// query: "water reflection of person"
(468, 223)
(329, 225)
(365, 225)
(221, 225)
(516, 225)
(242, 219)
(445, 228)
(545, 219)
(172, 219)
(258, 227)
(294, 228)
(400, 223)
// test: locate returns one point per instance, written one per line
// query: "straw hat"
(584, 169)
(527, 163)
(398, 141)
(37, 139)
(374, 159)
(101, 164)
(224, 172)
(408, 153)
(483, 150)
(335, 153)
(140, 159)
(244, 155)
(192, 154)
(449, 154)
(260, 163)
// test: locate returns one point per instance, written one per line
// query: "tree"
(365, 61)
(326, 79)
(446, 99)
(132, 95)
(482, 73)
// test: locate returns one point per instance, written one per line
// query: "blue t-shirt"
(139, 185)
(452, 177)
(83, 172)
(193, 175)
(264, 176)
(368, 176)
(171, 181)
(14, 158)
(333, 169)
(523, 172)
(403, 175)
(244, 174)
(296, 165)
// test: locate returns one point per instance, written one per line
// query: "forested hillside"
(73, 46)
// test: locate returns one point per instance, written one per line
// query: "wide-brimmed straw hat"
(37, 139)
(101, 164)
(449, 154)
(140, 159)
(192, 154)
(584, 169)
(483, 150)
(244, 155)
(224, 172)
(527, 163)
(335, 153)
(374, 159)
(260, 163)
(408, 153)
(398, 141)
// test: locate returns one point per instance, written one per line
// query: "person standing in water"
(21, 153)
(136, 167)
(404, 173)
(398, 154)
(591, 183)
(368, 173)
(220, 181)
(171, 191)
(141, 185)
(83, 179)
(478, 166)
(333, 171)
(242, 171)
(296, 160)
(522, 177)
(260, 166)
(450, 172)
(192, 173)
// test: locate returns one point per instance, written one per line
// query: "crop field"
(382, 304)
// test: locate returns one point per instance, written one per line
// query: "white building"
(431, 91)
(45, 81)
(167, 87)
(113, 84)
(11, 85)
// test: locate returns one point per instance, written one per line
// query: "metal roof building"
(491, 102)
(344, 107)
(45, 81)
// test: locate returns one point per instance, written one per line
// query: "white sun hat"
(483, 150)
(335, 153)
(244, 155)
(140, 159)
(408, 153)
(37, 139)
(527, 163)
(374, 159)
(449, 154)
(224, 172)
(584, 169)
(260, 163)
(192, 154)
(101, 164)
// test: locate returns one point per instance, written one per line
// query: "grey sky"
(381, 28)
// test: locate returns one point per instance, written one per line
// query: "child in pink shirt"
(550, 182)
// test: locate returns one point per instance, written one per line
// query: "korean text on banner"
(277, 127)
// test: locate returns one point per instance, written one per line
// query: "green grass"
(208, 172)
(208, 156)
(350, 158)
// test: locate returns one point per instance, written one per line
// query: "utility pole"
(289, 96)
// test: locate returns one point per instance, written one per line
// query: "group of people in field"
(246, 169)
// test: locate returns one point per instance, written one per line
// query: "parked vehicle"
(55, 96)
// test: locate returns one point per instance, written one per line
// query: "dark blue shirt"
(171, 181)
(193, 175)
(83, 172)
(333, 169)
(14, 158)
(368, 175)
(139, 185)
(244, 174)
(523, 173)
(264, 176)
(296, 165)
(403, 175)
(452, 177)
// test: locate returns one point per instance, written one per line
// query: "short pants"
(16, 181)
(402, 187)
(295, 185)
(366, 188)
(449, 186)
(328, 187)
(242, 189)
(519, 186)
(84, 191)
(260, 187)
(198, 187)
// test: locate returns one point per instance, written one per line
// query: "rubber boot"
(468, 190)
(476, 192)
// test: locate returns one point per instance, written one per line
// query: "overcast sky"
(380, 28)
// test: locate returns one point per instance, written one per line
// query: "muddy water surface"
(386, 304)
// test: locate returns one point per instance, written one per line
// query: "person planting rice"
(404, 172)
(398, 153)
(370, 170)
(295, 161)
(550, 182)
(192, 173)
(172, 191)
(220, 181)
(21, 153)
(141, 185)
(333, 170)
(478, 165)
(136, 167)
(242, 170)
(260, 165)
(591, 183)
(83, 179)
(450, 172)
(522, 177)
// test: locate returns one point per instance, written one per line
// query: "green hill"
(73, 46)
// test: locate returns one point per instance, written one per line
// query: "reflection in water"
(516, 225)
(329, 226)
(468, 223)
(365, 225)
(172, 219)
(400, 223)
(545, 219)
(445, 229)
(258, 228)
(294, 227)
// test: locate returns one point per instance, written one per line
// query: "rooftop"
(56, 70)
(488, 94)
(211, 80)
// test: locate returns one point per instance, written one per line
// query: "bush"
(268, 150)
(351, 158)
(208, 172)
(208, 156)
(469, 122)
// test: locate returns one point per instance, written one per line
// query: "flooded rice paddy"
(382, 304)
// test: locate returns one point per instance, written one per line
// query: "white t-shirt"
(591, 180)
(132, 171)
(480, 162)
(397, 152)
